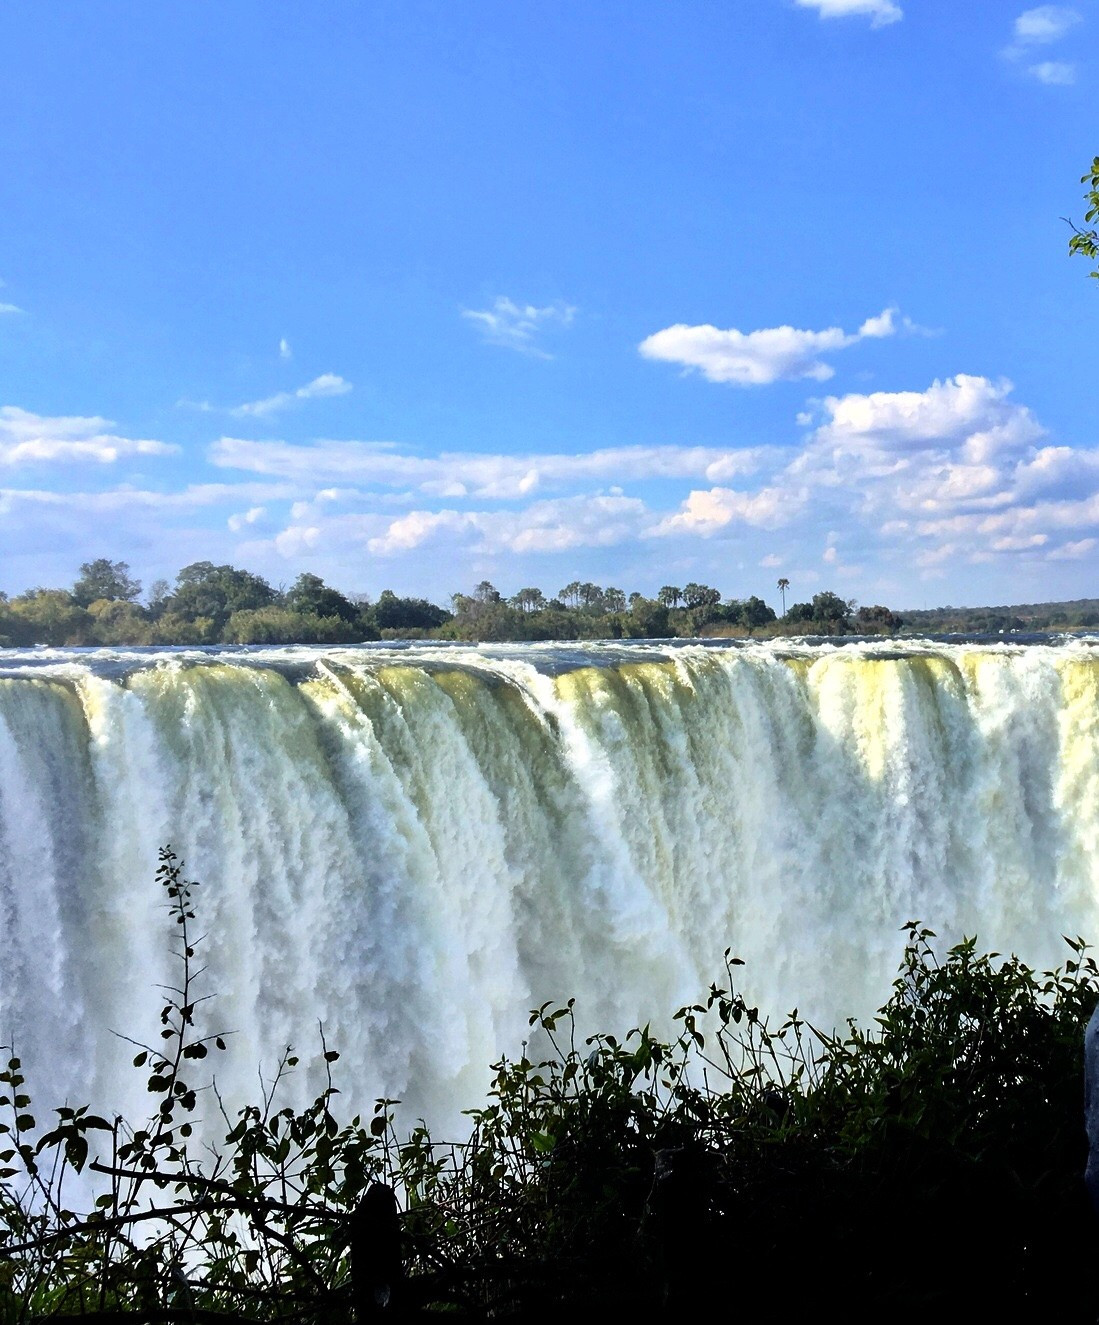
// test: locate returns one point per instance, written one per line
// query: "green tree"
(173, 628)
(669, 595)
(570, 594)
(160, 592)
(755, 612)
(118, 622)
(487, 592)
(110, 580)
(1086, 242)
(311, 596)
(877, 620)
(205, 590)
(783, 585)
(831, 612)
(528, 600)
(485, 618)
(49, 616)
(647, 619)
(700, 595)
(391, 612)
(281, 625)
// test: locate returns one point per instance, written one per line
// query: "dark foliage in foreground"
(931, 1162)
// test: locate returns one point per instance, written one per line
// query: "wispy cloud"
(27, 438)
(453, 475)
(757, 358)
(1039, 27)
(879, 12)
(10, 308)
(328, 384)
(517, 325)
(1056, 73)
(285, 352)
(1045, 24)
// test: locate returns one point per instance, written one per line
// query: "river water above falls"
(415, 845)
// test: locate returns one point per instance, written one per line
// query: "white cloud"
(705, 513)
(241, 521)
(1074, 551)
(328, 384)
(601, 520)
(285, 352)
(516, 325)
(958, 470)
(10, 308)
(453, 475)
(195, 496)
(880, 12)
(955, 446)
(1045, 24)
(418, 527)
(1055, 73)
(1041, 27)
(27, 438)
(964, 411)
(878, 327)
(757, 358)
(546, 526)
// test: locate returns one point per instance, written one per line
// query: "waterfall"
(414, 846)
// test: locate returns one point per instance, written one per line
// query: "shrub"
(631, 1176)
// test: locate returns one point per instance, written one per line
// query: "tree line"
(583, 610)
(212, 604)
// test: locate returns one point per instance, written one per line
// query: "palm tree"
(783, 585)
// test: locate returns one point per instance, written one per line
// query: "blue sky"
(414, 294)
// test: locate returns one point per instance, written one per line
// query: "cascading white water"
(415, 846)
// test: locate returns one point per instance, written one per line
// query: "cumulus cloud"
(706, 513)
(517, 325)
(245, 518)
(453, 475)
(757, 358)
(955, 445)
(958, 469)
(27, 438)
(964, 411)
(879, 12)
(328, 384)
(1044, 24)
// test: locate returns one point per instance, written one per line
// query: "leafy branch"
(1085, 243)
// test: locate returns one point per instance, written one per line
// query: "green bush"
(929, 1162)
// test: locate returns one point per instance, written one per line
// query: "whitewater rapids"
(416, 845)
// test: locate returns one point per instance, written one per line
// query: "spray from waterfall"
(414, 847)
